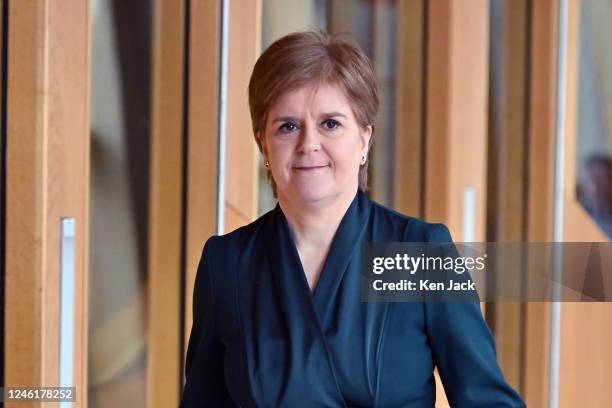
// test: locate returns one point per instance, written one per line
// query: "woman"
(278, 317)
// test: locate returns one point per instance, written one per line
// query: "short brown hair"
(313, 57)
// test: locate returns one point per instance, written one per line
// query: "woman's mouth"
(310, 168)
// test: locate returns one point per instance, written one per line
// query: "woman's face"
(314, 144)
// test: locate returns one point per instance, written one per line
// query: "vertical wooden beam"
(74, 112)
(570, 120)
(24, 203)
(408, 159)
(507, 166)
(202, 138)
(381, 180)
(510, 123)
(47, 180)
(164, 360)
(542, 118)
(203, 127)
(540, 188)
(456, 117)
(242, 153)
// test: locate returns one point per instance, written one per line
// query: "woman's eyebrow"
(293, 119)
(333, 114)
(285, 119)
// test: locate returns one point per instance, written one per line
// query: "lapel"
(345, 247)
(343, 250)
(304, 314)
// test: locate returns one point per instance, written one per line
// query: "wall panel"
(456, 121)
(164, 362)
(408, 159)
(242, 152)
(47, 179)
(585, 356)
(202, 139)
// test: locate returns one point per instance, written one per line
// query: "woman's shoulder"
(415, 229)
(240, 236)
(228, 253)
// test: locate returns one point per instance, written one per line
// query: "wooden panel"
(409, 160)
(383, 57)
(456, 121)
(24, 205)
(507, 162)
(509, 124)
(241, 172)
(540, 197)
(585, 356)
(47, 179)
(203, 131)
(536, 361)
(542, 119)
(437, 167)
(456, 134)
(166, 207)
(570, 119)
(72, 98)
(242, 152)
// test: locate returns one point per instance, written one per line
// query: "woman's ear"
(262, 143)
(366, 138)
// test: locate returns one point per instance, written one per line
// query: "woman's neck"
(314, 224)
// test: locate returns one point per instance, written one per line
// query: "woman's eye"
(288, 127)
(331, 124)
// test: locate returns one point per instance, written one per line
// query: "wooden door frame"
(540, 189)
(456, 97)
(203, 107)
(48, 110)
(166, 208)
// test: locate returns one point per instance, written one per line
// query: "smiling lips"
(309, 168)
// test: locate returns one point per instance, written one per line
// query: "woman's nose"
(309, 139)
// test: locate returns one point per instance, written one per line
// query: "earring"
(267, 163)
(363, 159)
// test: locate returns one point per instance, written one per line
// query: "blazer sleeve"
(205, 382)
(463, 349)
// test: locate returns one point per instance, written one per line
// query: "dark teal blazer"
(261, 339)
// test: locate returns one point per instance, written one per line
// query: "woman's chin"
(312, 193)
